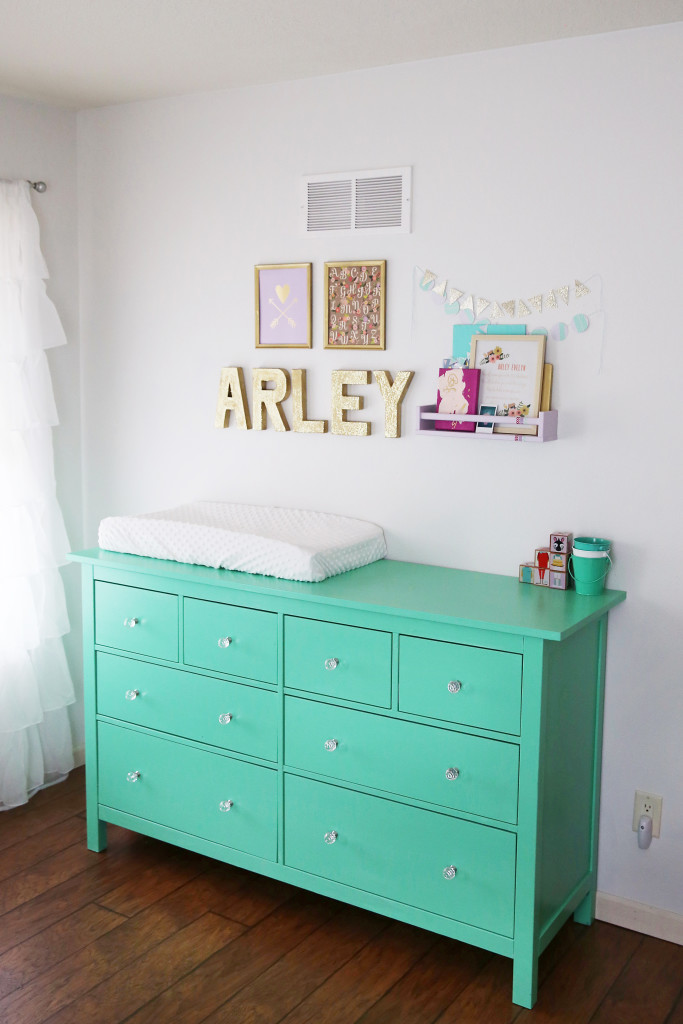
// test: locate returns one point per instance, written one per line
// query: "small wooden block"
(526, 572)
(561, 542)
(558, 580)
(541, 577)
(542, 563)
(558, 561)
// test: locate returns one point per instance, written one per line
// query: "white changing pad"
(289, 543)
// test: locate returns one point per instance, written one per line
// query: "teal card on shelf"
(462, 341)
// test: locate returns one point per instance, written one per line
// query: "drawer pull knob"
(331, 664)
(225, 641)
(133, 776)
(131, 622)
(450, 872)
(331, 837)
(331, 744)
(455, 686)
(452, 773)
(132, 694)
(225, 718)
(225, 805)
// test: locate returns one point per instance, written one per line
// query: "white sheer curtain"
(35, 683)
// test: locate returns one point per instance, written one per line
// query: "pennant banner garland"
(459, 301)
(572, 307)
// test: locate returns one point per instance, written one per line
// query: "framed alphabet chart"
(355, 303)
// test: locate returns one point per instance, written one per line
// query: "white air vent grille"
(329, 206)
(371, 202)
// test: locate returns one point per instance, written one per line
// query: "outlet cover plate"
(648, 803)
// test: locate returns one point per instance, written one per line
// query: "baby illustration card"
(458, 393)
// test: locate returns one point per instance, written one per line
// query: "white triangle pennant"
(453, 295)
(468, 303)
(537, 302)
(581, 289)
(440, 289)
(496, 313)
(564, 293)
(428, 278)
(551, 301)
(509, 307)
(481, 305)
(523, 309)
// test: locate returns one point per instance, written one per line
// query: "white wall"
(531, 166)
(39, 143)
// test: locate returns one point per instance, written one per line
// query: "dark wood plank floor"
(149, 934)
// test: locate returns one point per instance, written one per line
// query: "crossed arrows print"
(282, 292)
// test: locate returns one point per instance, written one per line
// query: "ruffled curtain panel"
(35, 683)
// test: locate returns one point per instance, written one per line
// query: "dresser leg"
(585, 912)
(525, 981)
(97, 835)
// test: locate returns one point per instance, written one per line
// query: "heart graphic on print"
(282, 291)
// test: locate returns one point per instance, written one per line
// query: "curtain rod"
(39, 186)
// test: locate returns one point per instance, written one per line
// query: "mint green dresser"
(419, 741)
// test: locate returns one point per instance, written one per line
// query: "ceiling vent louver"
(367, 202)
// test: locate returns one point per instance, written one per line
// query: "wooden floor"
(150, 934)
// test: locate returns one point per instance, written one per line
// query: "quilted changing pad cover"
(292, 544)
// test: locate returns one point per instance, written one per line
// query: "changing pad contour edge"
(292, 544)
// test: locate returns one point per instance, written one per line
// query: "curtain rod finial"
(39, 186)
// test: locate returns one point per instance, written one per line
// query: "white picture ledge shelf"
(545, 421)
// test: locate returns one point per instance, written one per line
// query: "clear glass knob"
(452, 773)
(454, 686)
(224, 719)
(331, 744)
(225, 641)
(132, 694)
(331, 664)
(130, 622)
(225, 805)
(133, 776)
(331, 837)
(450, 872)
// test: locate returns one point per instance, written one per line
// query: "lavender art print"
(283, 305)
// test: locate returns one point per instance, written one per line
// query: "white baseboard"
(639, 917)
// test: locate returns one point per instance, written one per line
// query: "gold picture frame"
(355, 304)
(283, 305)
(512, 369)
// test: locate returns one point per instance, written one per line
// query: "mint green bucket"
(591, 544)
(589, 564)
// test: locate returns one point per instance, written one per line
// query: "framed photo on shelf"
(355, 304)
(511, 376)
(482, 426)
(282, 294)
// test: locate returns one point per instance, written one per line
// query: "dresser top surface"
(432, 592)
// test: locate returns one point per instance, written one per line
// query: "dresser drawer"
(225, 714)
(402, 852)
(404, 758)
(230, 639)
(141, 621)
(185, 788)
(455, 683)
(348, 662)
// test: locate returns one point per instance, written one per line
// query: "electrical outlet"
(651, 804)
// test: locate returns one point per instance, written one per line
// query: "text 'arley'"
(270, 388)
